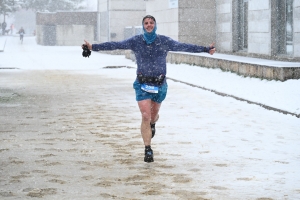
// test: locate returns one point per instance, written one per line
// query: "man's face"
(149, 24)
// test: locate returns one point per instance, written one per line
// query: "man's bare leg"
(148, 109)
(145, 108)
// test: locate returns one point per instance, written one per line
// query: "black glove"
(86, 52)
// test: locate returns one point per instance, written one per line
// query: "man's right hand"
(88, 44)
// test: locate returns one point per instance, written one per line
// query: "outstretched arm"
(106, 46)
(185, 47)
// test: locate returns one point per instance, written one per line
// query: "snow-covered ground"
(207, 146)
(281, 95)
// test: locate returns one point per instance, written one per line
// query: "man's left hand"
(212, 49)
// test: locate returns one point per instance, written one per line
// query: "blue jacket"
(151, 59)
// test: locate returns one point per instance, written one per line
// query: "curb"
(3, 46)
(238, 98)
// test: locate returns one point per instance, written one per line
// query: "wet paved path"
(73, 136)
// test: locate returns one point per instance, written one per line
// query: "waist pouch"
(150, 79)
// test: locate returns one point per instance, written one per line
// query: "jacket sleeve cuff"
(206, 49)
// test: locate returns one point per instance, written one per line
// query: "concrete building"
(65, 28)
(192, 21)
(255, 28)
(115, 15)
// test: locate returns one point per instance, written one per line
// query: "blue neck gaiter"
(150, 37)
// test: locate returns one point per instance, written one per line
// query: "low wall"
(257, 70)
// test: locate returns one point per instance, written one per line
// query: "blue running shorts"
(156, 97)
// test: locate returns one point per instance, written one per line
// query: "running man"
(150, 85)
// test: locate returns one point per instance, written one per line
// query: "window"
(243, 25)
(283, 27)
(289, 27)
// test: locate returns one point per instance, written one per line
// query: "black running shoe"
(152, 129)
(148, 155)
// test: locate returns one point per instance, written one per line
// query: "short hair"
(149, 16)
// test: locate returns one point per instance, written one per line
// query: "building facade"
(256, 28)
(115, 15)
(192, 21)
(65, 28)
(259, 28)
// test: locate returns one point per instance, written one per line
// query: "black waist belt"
(150, 79)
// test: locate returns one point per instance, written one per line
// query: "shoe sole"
(148, 159)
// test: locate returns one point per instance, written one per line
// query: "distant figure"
(11, 28)
(21, 32)
(3, 27)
